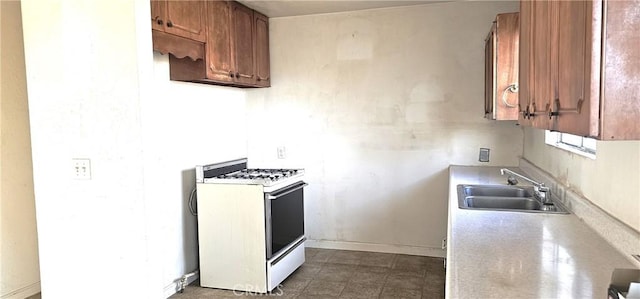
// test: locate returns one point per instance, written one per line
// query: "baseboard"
(23, 292)
(175, 286)
(372, 247)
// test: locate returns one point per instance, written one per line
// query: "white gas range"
(250, 225)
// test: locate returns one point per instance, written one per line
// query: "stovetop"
(259, 175)
(236, 172)
(254, 176)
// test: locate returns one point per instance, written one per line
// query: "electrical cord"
(193, 198)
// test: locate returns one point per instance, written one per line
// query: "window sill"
(555, 139)
(573, 150)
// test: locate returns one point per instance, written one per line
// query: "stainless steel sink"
(497, 190)
(505, 198)
(506, 203)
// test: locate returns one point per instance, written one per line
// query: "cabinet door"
(489, 74)
(541, 54)
(158, 15)
(243, 47)
(506, 66)
(186, 19)
(218, 49)
(263, 71)
(570, 113)
(620, 103)
(526, 69)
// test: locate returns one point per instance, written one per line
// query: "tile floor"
(350, 274)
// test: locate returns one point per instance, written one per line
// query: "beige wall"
(97, 90)
(375, 105)
(20, 273)
(83, 72)
(611, 181)
(183, 127)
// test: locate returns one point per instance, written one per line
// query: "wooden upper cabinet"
(541, 68)
(236, 48)
(158, 15)
(181, 18)
(620, 93)
(501, 68)
(243, 43)
(489, 74)
(179, 28)
(525, 92)
(262, 60)
(569, 92)
(583, 66)
(186, 19)
(219, 48)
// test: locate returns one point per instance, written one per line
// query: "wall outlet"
(444, 243)
(81, 169)
(282, 152)
(484, 155)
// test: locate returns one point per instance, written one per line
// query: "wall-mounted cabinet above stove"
(233, 50)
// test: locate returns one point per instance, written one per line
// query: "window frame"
(572, 143)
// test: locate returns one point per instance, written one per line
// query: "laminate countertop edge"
(504, 254)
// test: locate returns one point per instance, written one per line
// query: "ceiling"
(287, 8)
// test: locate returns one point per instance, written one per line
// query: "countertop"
(498, 254)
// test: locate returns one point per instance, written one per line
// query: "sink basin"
(510, 203)
(497, 190)
(505, 198)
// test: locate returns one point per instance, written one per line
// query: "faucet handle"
(543, 188)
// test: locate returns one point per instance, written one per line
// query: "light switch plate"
(282, 152)
(484, 155)
(81, 169)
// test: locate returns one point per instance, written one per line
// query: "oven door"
(284, 217)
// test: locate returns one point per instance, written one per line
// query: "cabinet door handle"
(258, 79)
(169, 24)
(237, 75)
(556, 103)
(159, 22)
(527, 114)
(231, 74)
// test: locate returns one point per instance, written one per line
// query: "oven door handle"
(276, 195)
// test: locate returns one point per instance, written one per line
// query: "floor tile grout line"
(422, 262)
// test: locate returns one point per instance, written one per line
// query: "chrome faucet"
(541, 192)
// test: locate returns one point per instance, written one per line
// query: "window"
(576, 144)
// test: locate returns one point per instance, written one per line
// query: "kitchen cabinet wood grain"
(219, 49)
(620, 102)
(525, 91)
(262, 60)
(236, 49)
(580, 67)
(542, 74)
(243, 43)
(178, 27)
(569, 89)
(501, 68)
